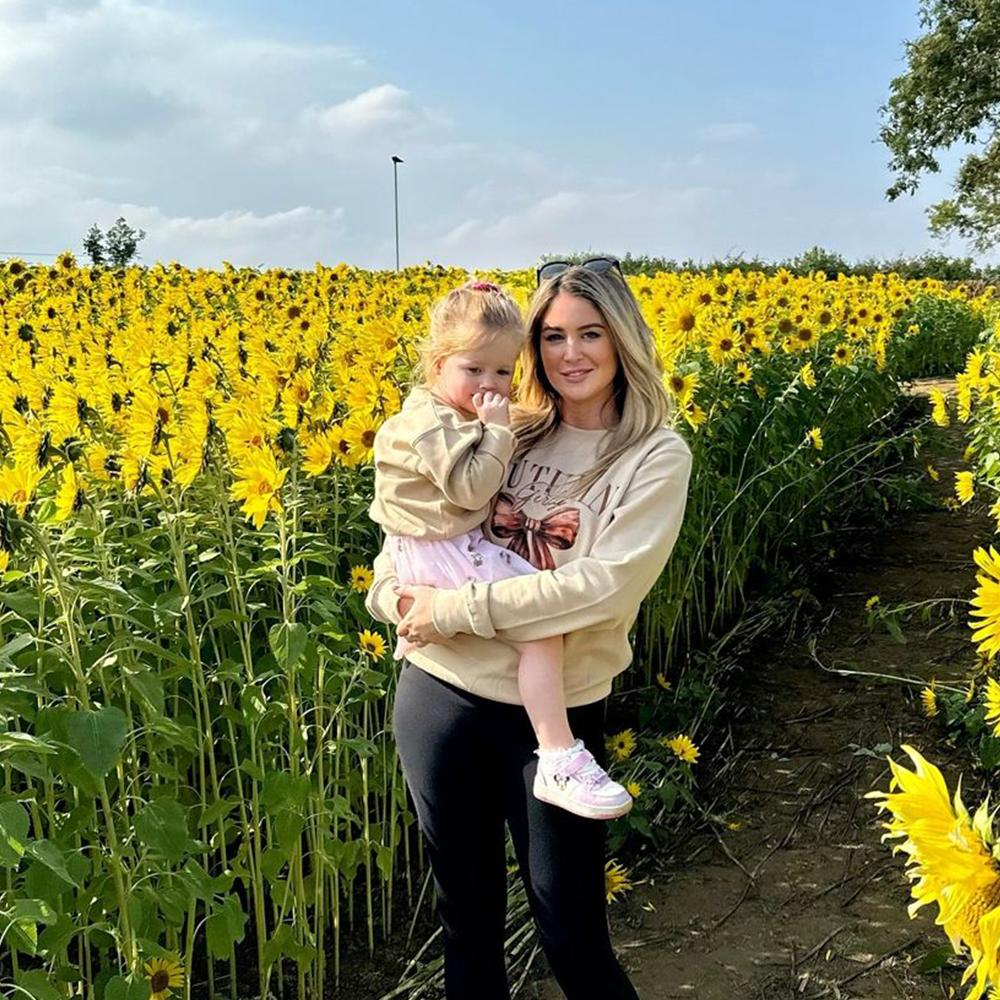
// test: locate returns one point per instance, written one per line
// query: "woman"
(594, 499)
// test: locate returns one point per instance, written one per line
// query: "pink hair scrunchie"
(484, 286)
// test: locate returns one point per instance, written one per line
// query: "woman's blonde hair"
(467, 317)
(639, 397)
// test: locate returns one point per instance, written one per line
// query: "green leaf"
(98, 737)
(52, 857)
(15, 645)
(25, 743)
(288, 642)
(148, 687)
(225, 927)
(120, 988)
(162, 827)
(935, 959)
(284, 790)
(55, 937)
(38, 986)
(989, 751)
(13, 833)
(23, 604)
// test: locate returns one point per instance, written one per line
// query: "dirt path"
(802, 899)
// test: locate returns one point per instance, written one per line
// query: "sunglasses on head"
(599, 265)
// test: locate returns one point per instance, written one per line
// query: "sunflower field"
(200, 794)
(951, 852)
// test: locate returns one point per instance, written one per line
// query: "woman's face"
(577, 354)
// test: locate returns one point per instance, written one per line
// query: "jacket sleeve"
(381, 600)
(599, 589)
(467, 461)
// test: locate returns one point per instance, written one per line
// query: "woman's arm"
(600, 588)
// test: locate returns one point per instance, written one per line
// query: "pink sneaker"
(574, 781)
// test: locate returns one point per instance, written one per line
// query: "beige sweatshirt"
(436, 470)
(598, 557)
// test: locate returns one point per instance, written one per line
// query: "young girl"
(438, 464)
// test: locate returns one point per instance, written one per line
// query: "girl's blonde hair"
(464, 318)
(639, 398)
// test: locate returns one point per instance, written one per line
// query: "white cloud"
(726, 131)
(580, 220)
(376, 109)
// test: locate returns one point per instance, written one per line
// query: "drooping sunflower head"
(616, 880)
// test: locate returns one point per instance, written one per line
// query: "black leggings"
(469, 765)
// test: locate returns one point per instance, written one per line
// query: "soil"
(802, 899)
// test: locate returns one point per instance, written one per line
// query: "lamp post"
(396, 160)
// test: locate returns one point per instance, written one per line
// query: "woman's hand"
(417, 624)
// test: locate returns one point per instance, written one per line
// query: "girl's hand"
(417, 624)
(492, 408)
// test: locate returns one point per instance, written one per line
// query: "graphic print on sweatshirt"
(553, 490)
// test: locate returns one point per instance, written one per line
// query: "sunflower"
(843, 354)
(661, 679)
(682, 386)
(871, 602)
(928, 698)
(814, 436)
(722, 346)
(987, 602)
(318, 452)
(940, 410)
(18, 484)
(622, 744)
(634, 789)
(371, 644)
(616, 880)
(951, 860)
(683, 748)
(965, 488)
(992, 704)
(70, 496)
(693, 413)
(361, 578)
(164, 975)
(258, 482)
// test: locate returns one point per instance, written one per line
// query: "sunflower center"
(159, 981)
(982, 902)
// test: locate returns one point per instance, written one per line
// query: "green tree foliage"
(117, 247)
(93, 245)
(951, 93)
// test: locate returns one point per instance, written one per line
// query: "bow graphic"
(532, 537)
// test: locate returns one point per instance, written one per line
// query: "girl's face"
(488, 367)
(578, 355)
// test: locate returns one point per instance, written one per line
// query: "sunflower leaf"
(98, 737)
(162, 826)
(120, 988)
(225, 927)
(36, 984)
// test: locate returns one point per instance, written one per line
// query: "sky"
(262, 133)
